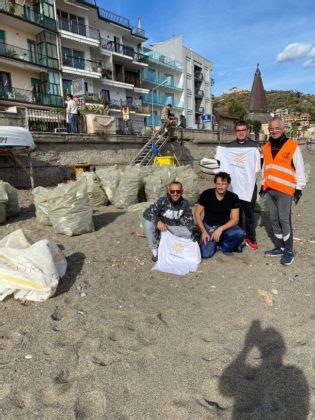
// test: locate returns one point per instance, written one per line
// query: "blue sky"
(235, 35)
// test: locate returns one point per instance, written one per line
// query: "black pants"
(247, 216)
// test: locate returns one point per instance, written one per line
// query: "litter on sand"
(266, 296)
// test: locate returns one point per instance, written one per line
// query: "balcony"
(117, 48)
(120, 20)
(199, 93)
(200, 110)
(79, 63)
(162, 60)
(155, 121)
(27, 13)
(116, 104)
(154, 79)
(30, 96)
(162, 101)
(198, 76)
(74, 28)
(20, 54)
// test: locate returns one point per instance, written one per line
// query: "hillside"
(294, 101)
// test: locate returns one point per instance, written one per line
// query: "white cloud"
(310, 63)
(295, 50)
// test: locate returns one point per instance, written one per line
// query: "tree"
(236, 109)
(256, 127)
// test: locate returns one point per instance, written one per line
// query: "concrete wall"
(56, 154)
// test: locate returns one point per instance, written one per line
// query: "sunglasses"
(175, 191)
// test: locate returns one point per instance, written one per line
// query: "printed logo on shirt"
(177, 249)
(239, 160)
(173, 214)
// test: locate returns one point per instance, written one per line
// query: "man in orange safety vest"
(283, 180)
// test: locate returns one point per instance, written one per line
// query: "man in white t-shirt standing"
(241, 159)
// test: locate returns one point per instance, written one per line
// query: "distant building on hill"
(258, 106)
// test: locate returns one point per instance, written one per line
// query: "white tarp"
(177, 255)
(29, 272)
(11, 136)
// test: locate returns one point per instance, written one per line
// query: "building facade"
(30, 71)
(195, 80)
(101, 62)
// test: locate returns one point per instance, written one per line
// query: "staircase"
(145, 157)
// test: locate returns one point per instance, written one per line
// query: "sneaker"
(287, 258)
(240, 247)
(251, 244)
(276, 252)
(155, 255)
(154, 258)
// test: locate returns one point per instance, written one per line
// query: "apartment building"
(30, 71)
(303, 119)
(164, 78)
(101, 56)
(194, 82)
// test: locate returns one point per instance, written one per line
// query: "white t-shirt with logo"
(177, 255)
(242, 164)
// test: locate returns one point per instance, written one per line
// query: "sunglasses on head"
(175, 191)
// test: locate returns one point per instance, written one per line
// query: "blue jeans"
(73, 121)
(229, 240)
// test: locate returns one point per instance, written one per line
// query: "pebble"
(28, 356)
(274, 291)
(82, 294)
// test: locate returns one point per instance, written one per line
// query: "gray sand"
(120, 341)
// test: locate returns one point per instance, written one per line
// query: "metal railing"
(156, 80)
(198, 76)
(135, 105)
(162, 101)
(53, 122)
(118, 48)
(75, 28)
(161, 59)
(30, 96)
(199, 92)
(79, 63)
(27, 12)
(113, 17)
(32, 57)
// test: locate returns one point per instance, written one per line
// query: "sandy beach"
(120, 341)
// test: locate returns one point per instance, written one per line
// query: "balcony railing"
(200, 110)
(26, 12)
(161, 59)
(118, 48)
(156, 80)
(73, 27)
(152, 122)
(135, 105)
(120, 20)
(80, 63)
(198, 76)
(32, 57)
(30, 96)
(199, 93)
(147, 99)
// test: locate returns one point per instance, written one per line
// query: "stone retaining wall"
(56, 154)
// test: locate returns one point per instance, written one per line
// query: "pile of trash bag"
(29, 271)
(40, 196)
(129, 186)
(110, 178)
(9, 201)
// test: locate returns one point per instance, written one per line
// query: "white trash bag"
(69, 208)
(128, 188)
(29, 271)
(177, 255)
(110, 178)
(96, 193)
(40, 195)
(12, 205)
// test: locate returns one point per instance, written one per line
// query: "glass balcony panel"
(30, 96)
(13, 52)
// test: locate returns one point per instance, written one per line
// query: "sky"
(235, 35)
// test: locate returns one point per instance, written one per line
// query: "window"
(67, 87)
(32, 50)
(73, 58)
(5, 85)
(106, 95)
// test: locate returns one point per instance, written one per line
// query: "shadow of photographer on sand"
(270, 391)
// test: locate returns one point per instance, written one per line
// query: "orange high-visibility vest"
(279, 173)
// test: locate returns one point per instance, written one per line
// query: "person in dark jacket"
(172, 213)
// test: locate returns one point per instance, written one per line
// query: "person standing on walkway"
(283, 180)
(71, 113)
(241, 159)
(219, 227)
